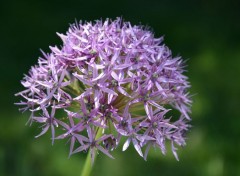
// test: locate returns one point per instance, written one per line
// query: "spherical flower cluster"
(109, 80)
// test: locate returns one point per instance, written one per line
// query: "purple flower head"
(112, 77)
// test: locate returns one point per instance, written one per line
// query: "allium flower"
(110, 79)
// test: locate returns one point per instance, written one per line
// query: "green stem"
(87, 168)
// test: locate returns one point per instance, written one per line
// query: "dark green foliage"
(206, 33)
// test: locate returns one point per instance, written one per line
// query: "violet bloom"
(104, 74)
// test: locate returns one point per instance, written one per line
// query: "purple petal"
(81, 148)
(53, 110)
(40, 119)
(82, 79)
(126, 144)
(101, 75)
(122, 91)
(84, 94)
(53, 133)
(83, 106)
(144, 124)
(80, 38)
(45, 129)
(104, 151)
(122, 66)
(96, 98)
(158, 86)
(123, 132)
(62, 136)
(73, 139)
(115, 76)
(156, 105)
(137, 147)
(174, 151)
(103, 137)
(81, 138)
(109, 91)
(146, 151)
(90, 134)
(62, 124)
(81, 58)
(62, 76)
(45, 111)
(45, 84)
(148, 110)
(115, 56)
(64, 84)
(110, 97)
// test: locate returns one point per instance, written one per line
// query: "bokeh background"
(207, 33)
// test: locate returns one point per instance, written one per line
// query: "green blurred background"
(205, 32)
